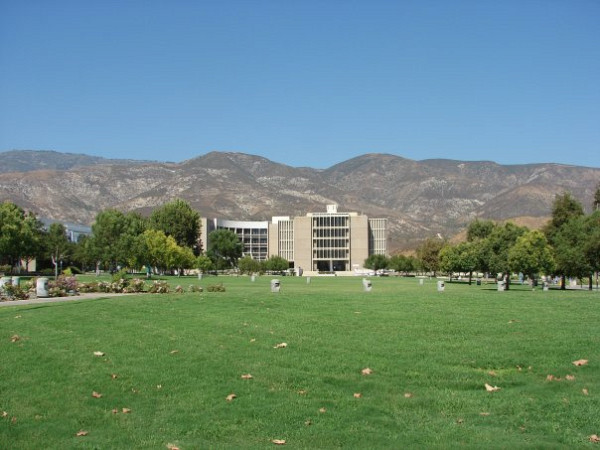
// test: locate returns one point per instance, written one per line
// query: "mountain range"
(420, 199)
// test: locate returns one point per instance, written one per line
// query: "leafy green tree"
(428, 254)
(559, 232)
(403, 263)
(249, 265)
(204, 263)
(178, 219)
(20, 234)
(276, 264)
(591, 247)
(377, 262)
(462, 257)
(531, 254)
(57, 244)
(494, 249)
(479, 229)
(224, 248)
(596, 204)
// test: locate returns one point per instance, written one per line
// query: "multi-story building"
(328, 241)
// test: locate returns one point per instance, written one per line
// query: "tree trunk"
(563, 282)
(507, 283)
(591, 282)
(470, 276)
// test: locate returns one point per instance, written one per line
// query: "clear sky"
(306, 82)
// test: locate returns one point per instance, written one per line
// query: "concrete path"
(88, 296)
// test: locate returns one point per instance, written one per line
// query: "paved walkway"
(89, 296)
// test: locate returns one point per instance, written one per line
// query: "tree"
(276, 264)
(178, 219)
(591, 247)
(564, 209)
(494, 249)
(428, 254)
(249, 265)
(20, 234)
(224, 248)
(377, 262)
(403, 263)
(596, 204)
(57, 244)
(462, 257)
(531, 254)
(204, 263)
(479, 229)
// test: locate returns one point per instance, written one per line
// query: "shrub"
(179, 289)
(13, 292)
(47, 272)
(216, 288)
(6, 269)
(62, 286)
(135, 285)
(159, 287)
(195, 288)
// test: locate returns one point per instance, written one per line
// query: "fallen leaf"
(552, 378)
(580, 362)
(302, 392)
(15, 338)
(115, 411)
(97, 353)
(4, 414)
(570, 377)
(519, 368)
(278, 441)
(282, 345)
(96, 394)
(126, 410)
(13, 420)
(322, 410)
(594, 438)
(172, 447)
(159, 386)
(460, 421)
(484, 414)
(408, 395)
(174, 351)
(357, 395)
(585, 391)
(230, 397)
(82, 433)
(252, 340)
(247, 376)
(512, 321)
(114, 376)
(366, 371)
(491, 388)
(308, 423)
(491, 373)
(18, 317)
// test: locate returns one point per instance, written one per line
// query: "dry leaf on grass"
(490, 388)
(594, 438)
(172, 352)
(247, 376)
(99, 353)
(357, 395)
(82, 433)
(552, 378)
(15, 338)
(302, 392)
(253, 340)
(114, 376)
(408, 395)
(172, 447)
(230, 397)
(366, 371)
(484, 414)
(570, 377)
(96, 394)
(491, 373)
(126, 410)
(585, 391)
(282, 345)
(580, 362)
(322, 410)
(115, 411)
(278, 441)
(308, 423)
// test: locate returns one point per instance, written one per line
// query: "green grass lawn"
(172, 360)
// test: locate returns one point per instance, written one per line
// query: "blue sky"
(305, 83)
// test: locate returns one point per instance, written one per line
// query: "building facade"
(329, 241)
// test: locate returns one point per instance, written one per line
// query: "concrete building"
(329, 241)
